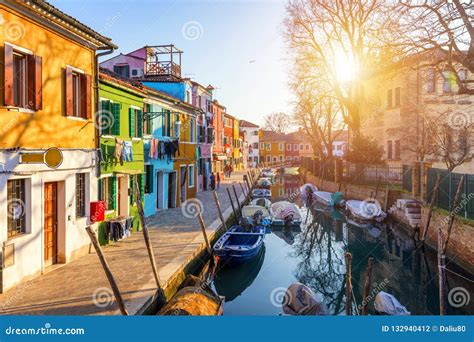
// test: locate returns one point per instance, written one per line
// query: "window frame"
(21, 200)
(80, 194)
(191, 175)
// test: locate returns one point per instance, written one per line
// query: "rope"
(459, 275)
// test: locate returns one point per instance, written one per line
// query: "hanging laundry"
(152, 148)
(118, 150)
(127, 154)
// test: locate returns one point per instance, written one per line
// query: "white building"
(251, 133)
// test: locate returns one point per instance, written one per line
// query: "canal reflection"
(314, 256)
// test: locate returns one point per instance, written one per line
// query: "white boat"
(286, 213)
(267, 174)
(262, 202)
(261, 193)
(365, 211)
(387, 304)
(250, 212)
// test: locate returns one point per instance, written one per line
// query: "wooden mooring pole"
(204, 233)
(219, 210)
(146, 235)
(237, 198)
(368, 282)
(441, 274)
(108, 272)
(348, 257)
(243, 191)
(232, 204)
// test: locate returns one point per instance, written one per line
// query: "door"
(172, 190)
(50, 223)
(182, 181)
(159, 190)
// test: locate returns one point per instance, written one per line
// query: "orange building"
(272, 146)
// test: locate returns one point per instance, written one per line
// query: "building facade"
(48, 157)
(272, 146)
(229, 139)
(251, 136)
(121, 143)
(219, 155)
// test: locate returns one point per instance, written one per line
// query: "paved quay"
(81, 287)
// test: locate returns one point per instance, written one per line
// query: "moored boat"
(332, 199)
(261, 193)
(257, 215)
(267, 173)
(365, 211)
(307, 193)
(285, 214)
(264, 183)
(239, 245)
(262, 202)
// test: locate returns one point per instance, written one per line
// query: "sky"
(234, 45)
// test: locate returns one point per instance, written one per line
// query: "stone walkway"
(81, 288)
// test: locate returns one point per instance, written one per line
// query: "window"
(301, 147)
(208, 105)
(431, 81)
(288, 147)
(149, 179)
(122, 70)
(389, 150)
(80, 194)
(255, 133)
(255, 145)
(225, 140)
(288, 158)
(78, 94)
(274, 159)
(389, 98)
(268, 159)
(280, 157)
(397, 97)
(295, 147)
(280, 147)
(106, 192)
(397, 149)
(188, 97)
(448, 80)
(190, 176)
(135, 119)
(109, 118)
(262, 145)
(269, 147)
(16, 222)
(22, 78)
(307, 147)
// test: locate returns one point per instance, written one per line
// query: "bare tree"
(444, 26)
(326, 35)
(277, 122)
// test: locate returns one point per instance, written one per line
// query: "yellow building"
(272, 147)
(48, 101)
(238, 146)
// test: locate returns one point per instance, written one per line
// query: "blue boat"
(239, 245)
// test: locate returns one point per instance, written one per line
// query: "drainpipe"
(108, 51)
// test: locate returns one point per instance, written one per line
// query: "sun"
(345, 67)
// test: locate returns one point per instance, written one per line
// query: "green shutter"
(150, 120)
(141, 181)
(139, 123)
(131, 121)
(116, 115)
(105, 112)
(132, 190)
(101, 189)
(113, 192)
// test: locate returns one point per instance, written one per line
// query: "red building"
(218, 152)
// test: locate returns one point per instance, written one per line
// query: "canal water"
(314, 255)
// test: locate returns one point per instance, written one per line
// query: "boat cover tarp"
(388, 304)
(262, 202)
(365, 209)
(306, 189)
(250, 210)
(299, 300)
(283, 209)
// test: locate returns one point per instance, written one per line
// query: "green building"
(122, 154)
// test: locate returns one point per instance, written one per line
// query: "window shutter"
(86, 84)
(116, 116)
(132, 190)
(8, 76)
(131, 121)
(139, 114)
(101, 189)
(113, 192)
(69, 92)
(141, 181)
(34, 82)
(104, 112)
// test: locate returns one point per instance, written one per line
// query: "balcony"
(163, 61)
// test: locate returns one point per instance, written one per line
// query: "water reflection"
(314, 256)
